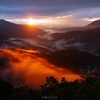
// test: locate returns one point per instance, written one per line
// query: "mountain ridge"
(9, 29)
(94, 24)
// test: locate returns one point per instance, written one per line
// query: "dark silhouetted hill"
(8, 30)
(94, 24)
(72, 59)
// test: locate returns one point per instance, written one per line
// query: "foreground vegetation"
(86, 88)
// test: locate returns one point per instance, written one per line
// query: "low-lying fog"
(18, 66)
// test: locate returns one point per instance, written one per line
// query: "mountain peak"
(2, 20)
(94, 24)
(9, 29)
(5, 22)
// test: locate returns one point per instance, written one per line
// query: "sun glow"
(30, 21)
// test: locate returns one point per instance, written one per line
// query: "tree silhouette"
(5, 87)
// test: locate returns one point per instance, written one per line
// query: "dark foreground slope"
(87, 88)
(72, 59)
(9, 30)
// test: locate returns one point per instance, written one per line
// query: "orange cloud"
(33, 69)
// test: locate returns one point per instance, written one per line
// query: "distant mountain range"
(85, 39)
(66, 29)
(71, 49)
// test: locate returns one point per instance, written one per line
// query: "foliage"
(87, 88)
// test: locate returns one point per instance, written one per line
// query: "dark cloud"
(44, 7)
(34, 10)
(51, 2)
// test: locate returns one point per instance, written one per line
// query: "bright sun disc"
(30, 21)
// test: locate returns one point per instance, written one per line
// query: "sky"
(50, 12)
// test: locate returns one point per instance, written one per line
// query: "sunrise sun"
(30, 21)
